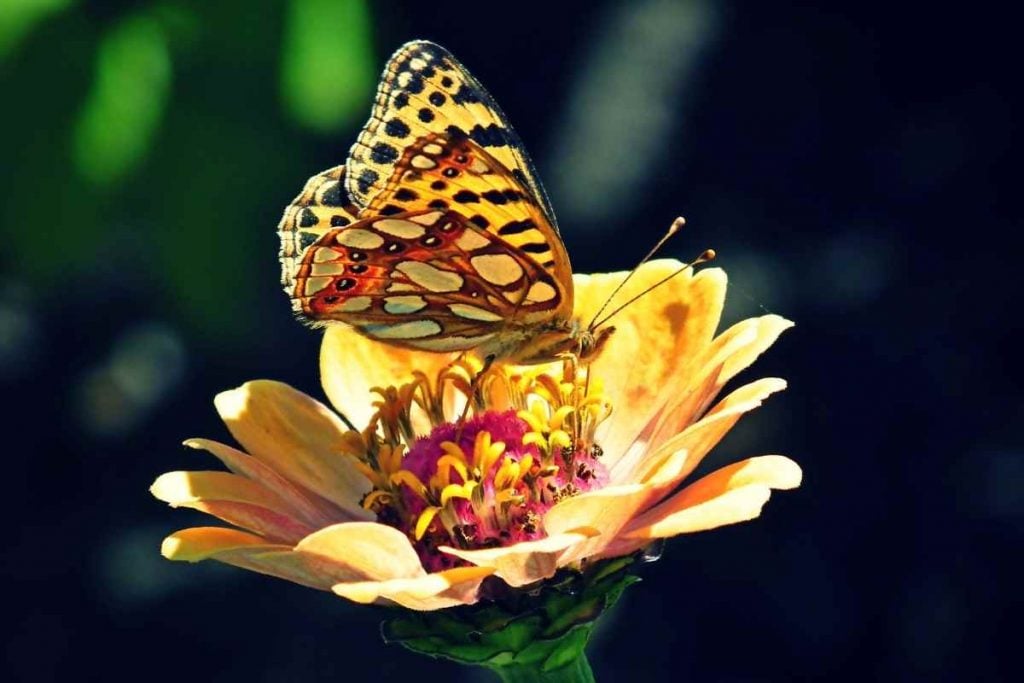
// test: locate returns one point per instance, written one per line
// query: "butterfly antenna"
(707, 255)
(677, 224)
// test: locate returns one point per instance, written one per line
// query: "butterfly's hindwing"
(428, 280)
(323, 205)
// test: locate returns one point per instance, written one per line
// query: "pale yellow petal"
(732, 494)
(351, 365)
(313, 509)
(375, 551)
(201, 543)
(235, 500)
(447, 588)
(654, 336)
(298, 437)
(700, 437)
(601, 514)
(525, 562)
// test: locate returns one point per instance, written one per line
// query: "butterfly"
(436, 234)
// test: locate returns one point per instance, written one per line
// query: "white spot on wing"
(471, 240)
(424, 162)
(324, 254)
(404, 304)
(399, 228)
(430, 278)
(315, 284)
(414, 329)
(356, 304)
(359, 239)
(500, 269)
(474, 313)
(426, 218)
(540, 292)
(453, 343)
(433, 148)
(334, 268)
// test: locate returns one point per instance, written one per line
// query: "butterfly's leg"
(474, 387)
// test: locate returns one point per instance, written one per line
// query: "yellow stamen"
(559, 417)
(423, 523)
(409, 479)
(373, 497)
(457, 491)
(448, 462)
(559, 439)
(536, 423)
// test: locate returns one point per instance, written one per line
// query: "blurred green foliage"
(18, 17)
(154, 145)
(328, 69)
(126, 101)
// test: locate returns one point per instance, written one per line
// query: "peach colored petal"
(234, 499)
(351, 365)
(731, 494)
(447, 588)
(375, 551)
(653, 337)
(298, 437)
(700, 437)
(202, 543)
(525, 562)
(728, 354)
(316, 511)
(603, 513)
(246, 551)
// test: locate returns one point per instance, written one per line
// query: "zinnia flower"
(416, 499)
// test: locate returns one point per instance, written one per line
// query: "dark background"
(852, 166)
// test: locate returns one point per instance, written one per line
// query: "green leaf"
(328, 71)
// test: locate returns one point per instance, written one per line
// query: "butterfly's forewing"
(323, 205)
(428, 280)
(425, 91)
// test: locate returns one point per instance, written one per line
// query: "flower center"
(486, 474)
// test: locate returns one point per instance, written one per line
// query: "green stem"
(576, 671)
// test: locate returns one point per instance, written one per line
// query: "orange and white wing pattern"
(429, 280)
(437, 235)
(322, 205)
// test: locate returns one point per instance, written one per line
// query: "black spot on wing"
(307, 219)
(404, 194)
(307, 239)
(425, 115)
(466, 94)
(339, 221)
(396, 128)
(438, 204)
(383, 153)
(480, 222)
(390, 210)
(496, 197)
(366, 180)
(334, 196)
(534, 248)
(400, 100)
(516, 227)
(437, 99)
(466, 197)
(491, 136)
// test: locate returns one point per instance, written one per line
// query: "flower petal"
(240, 549)
(602, 513)
(351, 365)
(653, 335)
(447, 588)
(234, 499)
(700, 437)
(313, 509)
(732, 494)
(298, 437)
(525, 562)
(375, 551)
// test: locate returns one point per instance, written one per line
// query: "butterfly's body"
(436, 235)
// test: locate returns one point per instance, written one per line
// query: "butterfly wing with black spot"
(428, 280)
(423, 91)
(323, 205)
